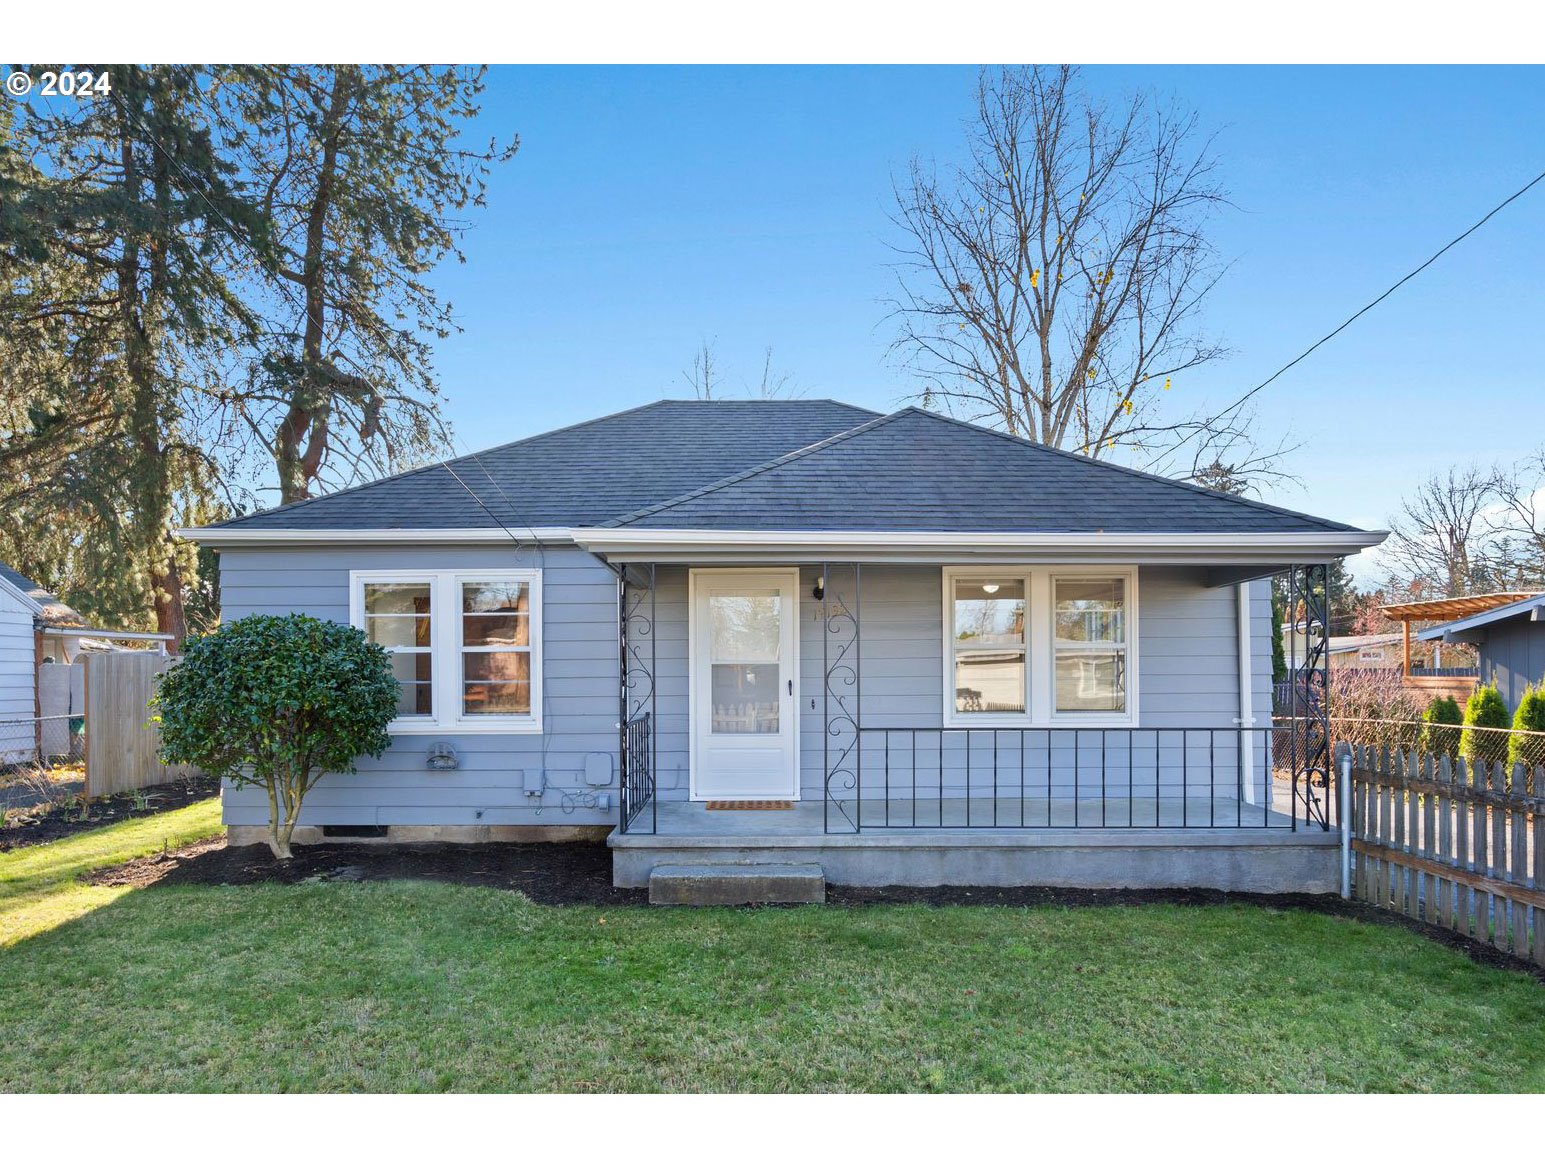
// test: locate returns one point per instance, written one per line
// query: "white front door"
(745, 717)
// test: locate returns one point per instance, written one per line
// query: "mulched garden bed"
(581, 874)
(549, 874)
(64, 819)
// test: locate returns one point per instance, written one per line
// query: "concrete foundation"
(239, 834)
(1211, 859)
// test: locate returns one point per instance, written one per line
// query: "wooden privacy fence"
(1459, 844)
(121, 741)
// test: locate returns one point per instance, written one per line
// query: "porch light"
(820, 588)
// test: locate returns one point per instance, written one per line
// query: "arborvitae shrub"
(1530, 717)
(1484, 709)
(1442, 741)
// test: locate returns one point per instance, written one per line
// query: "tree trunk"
(140, 307)
(278, 844)
(301, 443)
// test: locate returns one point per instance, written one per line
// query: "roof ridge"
(1253, 504)
(752, 472)
(453, 462)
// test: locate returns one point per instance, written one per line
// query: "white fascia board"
(621, 545)
(22, 601)
(281, 537)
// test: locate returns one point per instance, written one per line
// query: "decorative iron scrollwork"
(842, 712)
(1309, 594)
(636, 631)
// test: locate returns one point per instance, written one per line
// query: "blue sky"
(651, 209)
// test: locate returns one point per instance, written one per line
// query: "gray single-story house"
(1511, 643)
(900, 648)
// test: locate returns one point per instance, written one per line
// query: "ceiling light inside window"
(990, 588)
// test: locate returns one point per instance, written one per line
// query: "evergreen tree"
(1529, 718)
(118, 223)
(1440, 726)
(1484, 709)
(359, 173)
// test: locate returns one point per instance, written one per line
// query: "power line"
(1494, 211)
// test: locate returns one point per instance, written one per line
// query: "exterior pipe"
(1246, 698)
(1345, 811)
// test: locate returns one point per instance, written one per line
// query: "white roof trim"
(93, 633)
(628, 544)
(25, 602)
(257, 536)
(1458, 630)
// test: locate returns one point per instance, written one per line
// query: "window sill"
(998, 723)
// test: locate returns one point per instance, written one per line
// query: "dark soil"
(549, 874)
(66, 819)
(581, 874)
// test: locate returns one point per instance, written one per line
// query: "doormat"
(749, 805)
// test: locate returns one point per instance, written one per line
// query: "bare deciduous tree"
(1052, 283)
(1434, 540)
(703, 374)
(1519, 524)
(706, 378)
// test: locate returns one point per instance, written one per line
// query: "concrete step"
(737, 884)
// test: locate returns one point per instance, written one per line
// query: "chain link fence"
(1509, 745)
(29, 741)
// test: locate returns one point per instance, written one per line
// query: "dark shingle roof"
(919, 471)
(51, 610)
(580, 475)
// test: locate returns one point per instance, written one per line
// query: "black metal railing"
(638, 792)
(972, 778)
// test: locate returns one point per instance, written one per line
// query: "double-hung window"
(465, 646)
(1040, 647)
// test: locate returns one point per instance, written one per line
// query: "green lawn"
(418, 986)
(39, 888)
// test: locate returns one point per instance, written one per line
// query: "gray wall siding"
(1188, 677)
(1187, 654)
(1513, 655)
(17, 742)
(579, 669)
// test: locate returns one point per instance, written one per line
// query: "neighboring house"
(901, 647)
(1511, 643)
(1362, 652)
(1437, 678)
(1365, 652)
(42, 689)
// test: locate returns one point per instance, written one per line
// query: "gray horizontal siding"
(1188, 671)
(1187, 679)
(579, 692)
(16, 660)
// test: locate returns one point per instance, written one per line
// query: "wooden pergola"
(1443, 611)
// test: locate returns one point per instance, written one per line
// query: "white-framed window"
(466, 645)
(1040, 646)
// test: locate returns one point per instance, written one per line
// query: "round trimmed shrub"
(277, 702)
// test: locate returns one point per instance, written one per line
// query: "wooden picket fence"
(1459, 844)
